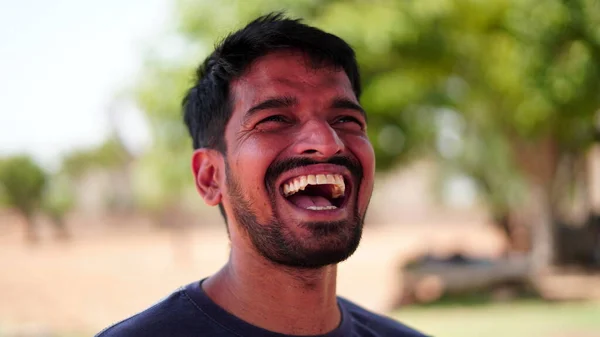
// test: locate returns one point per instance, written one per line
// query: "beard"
(324, 244)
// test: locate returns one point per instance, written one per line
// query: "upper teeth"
(300, 183)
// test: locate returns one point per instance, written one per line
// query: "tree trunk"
(542, 239)
(539, 161)
(31, 235)
(516, 230)
(62, 232)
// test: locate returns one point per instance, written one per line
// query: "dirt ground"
(106, 273)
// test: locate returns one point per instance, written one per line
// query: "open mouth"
(317, 192)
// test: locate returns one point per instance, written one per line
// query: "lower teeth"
(320, 208)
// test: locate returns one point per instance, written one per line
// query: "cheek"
(251, 161)
(256, 154)
(364, 152)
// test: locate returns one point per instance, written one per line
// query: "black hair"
(207, 106)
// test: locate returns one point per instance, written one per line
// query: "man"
(281, 147)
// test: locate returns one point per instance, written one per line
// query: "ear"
(205, 166)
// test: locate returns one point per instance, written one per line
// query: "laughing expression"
(299, 165)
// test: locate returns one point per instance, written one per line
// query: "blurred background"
(485, 117)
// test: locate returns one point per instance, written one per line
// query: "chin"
(316, 245)
(315, 259)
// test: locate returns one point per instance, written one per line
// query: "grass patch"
(523, 318)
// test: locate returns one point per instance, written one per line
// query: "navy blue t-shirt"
(190, 312)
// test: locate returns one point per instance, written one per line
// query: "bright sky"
(62, 63)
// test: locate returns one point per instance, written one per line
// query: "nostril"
(312, 151)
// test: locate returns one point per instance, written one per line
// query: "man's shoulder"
(174, 315)
(369, 323)
(179, 315)
(147, 320)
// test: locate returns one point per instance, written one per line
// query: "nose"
(318, 139)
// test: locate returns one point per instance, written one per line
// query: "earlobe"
(205, 169)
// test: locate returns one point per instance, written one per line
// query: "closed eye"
(274, 118)
(273, 123)
(349, 119)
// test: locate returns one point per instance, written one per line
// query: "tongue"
(305, 201)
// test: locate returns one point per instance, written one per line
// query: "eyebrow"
(289, 101)
(273, 103)
(344, 103)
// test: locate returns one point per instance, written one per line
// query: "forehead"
(289, 73)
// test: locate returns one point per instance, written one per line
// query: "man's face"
(299, 165)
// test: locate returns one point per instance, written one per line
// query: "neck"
(284, 300)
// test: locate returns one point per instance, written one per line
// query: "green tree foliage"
(163, 173)
(27, 188)
(22, 184)
(58, 200)
(502, 91)
(109, 154)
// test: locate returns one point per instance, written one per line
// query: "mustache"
(278, 168)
